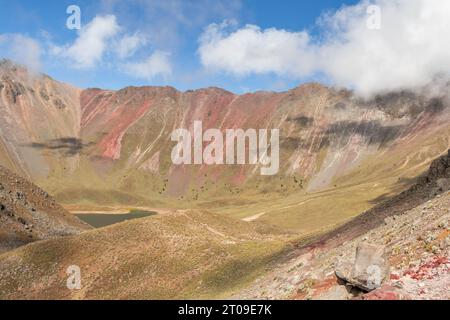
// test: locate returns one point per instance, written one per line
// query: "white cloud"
(129, 44)
(410, 50)
(158, 64)
(92, 42)
(21, 49)
(252, 50)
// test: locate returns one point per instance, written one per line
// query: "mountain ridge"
(95, 147)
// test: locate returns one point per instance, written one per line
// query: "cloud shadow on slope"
(68, 146)
(373, 131)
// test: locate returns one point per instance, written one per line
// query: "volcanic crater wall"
(120, 140)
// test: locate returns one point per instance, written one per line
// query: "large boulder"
(369, 270)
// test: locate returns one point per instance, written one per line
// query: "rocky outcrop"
(369, 270)
(28, 213)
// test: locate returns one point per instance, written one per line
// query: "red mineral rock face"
(50, 129)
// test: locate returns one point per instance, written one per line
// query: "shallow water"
(98, 220)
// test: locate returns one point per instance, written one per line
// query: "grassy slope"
(285, 204)
(198, 254)
(180, 255)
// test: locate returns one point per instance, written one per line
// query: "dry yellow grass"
(179, 255)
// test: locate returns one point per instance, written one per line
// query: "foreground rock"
(369, 270)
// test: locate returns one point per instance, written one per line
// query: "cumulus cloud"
(21, 49)
(158, 64)
(92, 42)
(252, 50)
(410, 49)
(129, 44)
(104, 40)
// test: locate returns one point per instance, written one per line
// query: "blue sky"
(46, 20)
(239, 45)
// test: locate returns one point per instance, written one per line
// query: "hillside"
(27, 214)
(339, 155)
(181, 254)
(36, 109)
(197, 254)
(414, 229)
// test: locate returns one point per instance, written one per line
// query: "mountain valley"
(350, 169)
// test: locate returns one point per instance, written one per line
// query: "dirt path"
(259, 215)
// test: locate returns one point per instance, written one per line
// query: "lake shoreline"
(99, 220)
(118, 211)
